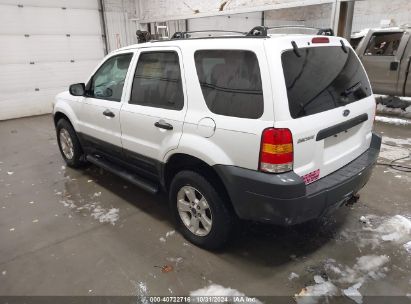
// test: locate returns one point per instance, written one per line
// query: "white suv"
(270, 128)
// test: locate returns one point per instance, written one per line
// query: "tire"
(222, 218)
(65, 134)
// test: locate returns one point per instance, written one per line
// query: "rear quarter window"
(230, 81)
(323, 78)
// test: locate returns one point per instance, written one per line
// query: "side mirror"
(77, 89)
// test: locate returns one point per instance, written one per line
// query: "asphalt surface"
(87, 232)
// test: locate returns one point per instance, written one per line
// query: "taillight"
(276, 152)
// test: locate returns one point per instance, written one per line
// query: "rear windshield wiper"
(356, 90)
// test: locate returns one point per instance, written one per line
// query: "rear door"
(325, 100)
(152, 119)
(381, 59)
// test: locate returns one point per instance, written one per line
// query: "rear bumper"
(284, 199)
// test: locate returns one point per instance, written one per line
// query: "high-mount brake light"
(276, 151)
(320, 40)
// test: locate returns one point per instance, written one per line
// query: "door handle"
(108, 113)
(394, 65)
(163, 125)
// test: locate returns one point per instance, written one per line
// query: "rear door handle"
(108, 113)
(163, 125)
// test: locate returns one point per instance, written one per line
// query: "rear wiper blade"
(356, 90)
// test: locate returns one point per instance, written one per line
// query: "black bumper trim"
(284, 199)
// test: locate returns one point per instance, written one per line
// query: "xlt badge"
(304, 139)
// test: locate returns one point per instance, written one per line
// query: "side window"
(107, 83)
(157, 81)
(383, 44)
(231, 82)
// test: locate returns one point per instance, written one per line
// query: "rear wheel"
(69, 144)
(201, 212)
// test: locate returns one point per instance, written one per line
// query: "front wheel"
(69, 144)
(201, 212)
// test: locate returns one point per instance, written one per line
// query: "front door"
(100, 113)
(152, 119)
(381, 59)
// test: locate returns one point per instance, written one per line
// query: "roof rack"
(262, 30)
(185, 35)
(258, 31)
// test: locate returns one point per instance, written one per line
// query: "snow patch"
(383, 109)
(392, 120)
(293, 276)
(379, 230)
(395, 229)
(397, 141)
(170, 233)
(218, 290)
(393, 153)
(4, 272)
(353, 293)
(103, 215)
(344, 280)
(407, 246)
(10, 172)
(106, 215)
(312, 294)
(175, 260)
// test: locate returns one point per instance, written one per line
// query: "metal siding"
(238, 22)
(84, 4)
(56, 37)
(121, 31)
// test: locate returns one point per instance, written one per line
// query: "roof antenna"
(295, 48)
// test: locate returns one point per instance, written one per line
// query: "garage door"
(45, 46)
(237, 22)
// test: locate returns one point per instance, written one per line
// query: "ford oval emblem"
(346, 113)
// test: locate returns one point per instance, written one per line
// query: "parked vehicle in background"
(386, 56)
(277, 130)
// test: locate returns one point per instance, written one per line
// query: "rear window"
(230, 81)
(323, 78)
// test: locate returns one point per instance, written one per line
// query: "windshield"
(323, 78)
